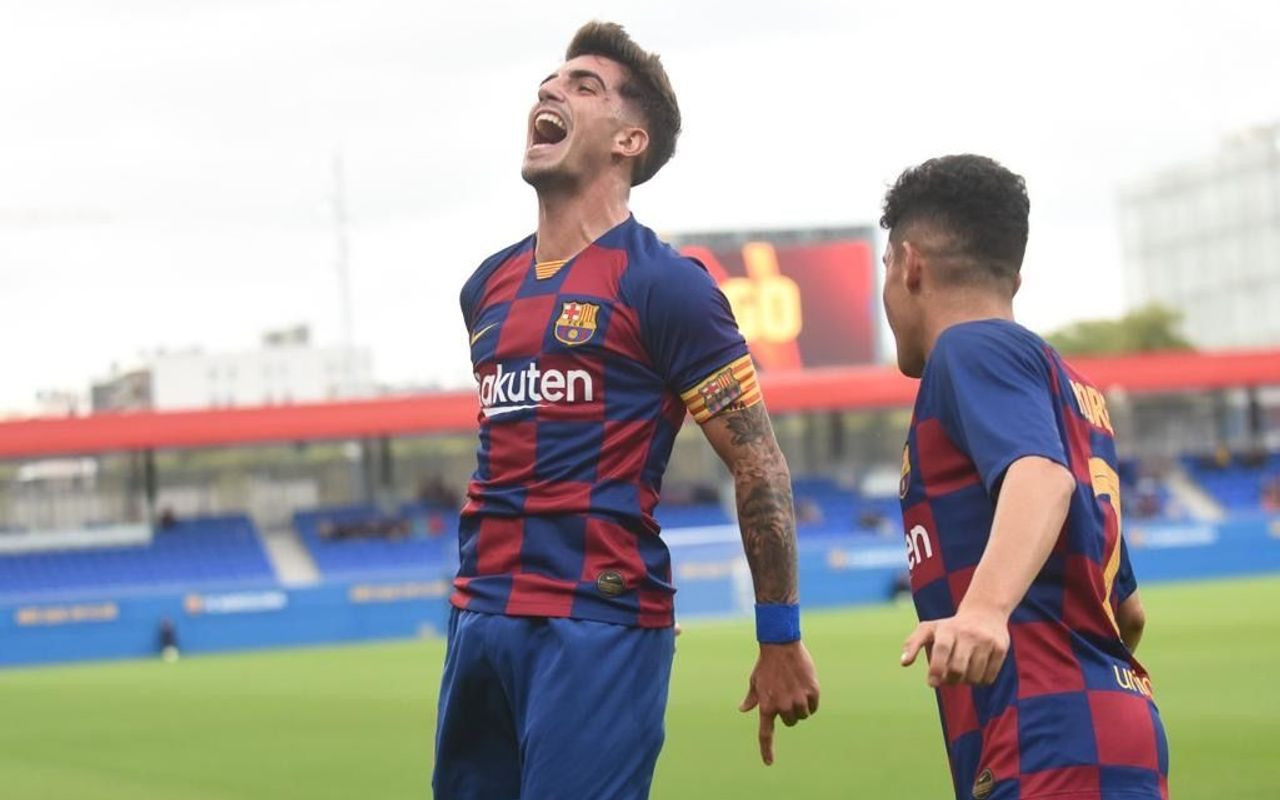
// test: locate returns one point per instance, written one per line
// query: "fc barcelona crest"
(721, 391)
(576, 323)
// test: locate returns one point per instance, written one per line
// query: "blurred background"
(237, 412)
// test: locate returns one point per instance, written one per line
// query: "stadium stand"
(825, 507)
(355, 540)
(379, 571)
(349, 541)
(194, 553)
(1144, 494)
(1236, 483)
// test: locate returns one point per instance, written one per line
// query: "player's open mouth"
(549, 128)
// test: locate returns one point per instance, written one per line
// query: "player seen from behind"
(1011, 504)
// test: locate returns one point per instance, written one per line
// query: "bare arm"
(971, 646)
(1029, 516)
(784, 682)
(744, 440)
(1131, 618)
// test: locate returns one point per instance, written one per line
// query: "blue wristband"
(777, 623)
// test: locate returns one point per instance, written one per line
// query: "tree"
(1152, 327)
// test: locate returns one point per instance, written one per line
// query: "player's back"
(1070, 714)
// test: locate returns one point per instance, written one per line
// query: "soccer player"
(1011, 505)
(590, 342)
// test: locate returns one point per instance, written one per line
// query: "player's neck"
(967, 308)
(568, 222)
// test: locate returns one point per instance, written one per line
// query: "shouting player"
(1011, 506)
(590, 341)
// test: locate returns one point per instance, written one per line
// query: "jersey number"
(1106, 482)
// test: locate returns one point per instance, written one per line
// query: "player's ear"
(912, 267)
(630, 142)
(1017, 283)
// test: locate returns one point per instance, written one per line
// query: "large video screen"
(803, 299)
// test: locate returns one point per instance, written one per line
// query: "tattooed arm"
(784, 682)
(744, 440)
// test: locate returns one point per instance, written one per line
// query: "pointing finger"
(766, 739)
(921, 636)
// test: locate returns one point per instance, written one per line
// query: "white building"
(286, 369)
(1203, 238)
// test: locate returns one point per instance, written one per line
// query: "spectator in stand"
(1221, 457)
(435, 492)
(1148, 498)
(871, 519)
(1271, 493)
(168, 519)
(1254, 457)
(369, 528)
(328, 530)
(808, 512)
(436, 525)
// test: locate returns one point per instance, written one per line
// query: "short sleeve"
(691, 335)
(465, 303)
(996, 400)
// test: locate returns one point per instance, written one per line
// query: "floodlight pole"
(342, 253)
(150, 485)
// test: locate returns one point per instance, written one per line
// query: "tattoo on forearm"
(769, 537)
(765, 508)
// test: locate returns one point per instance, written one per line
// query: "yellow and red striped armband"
(731, 388)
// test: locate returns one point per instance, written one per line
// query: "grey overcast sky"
(165, 164)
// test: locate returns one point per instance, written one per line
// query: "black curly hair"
(975, 202)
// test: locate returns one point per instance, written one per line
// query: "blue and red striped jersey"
(586, 369)
(1071, 714)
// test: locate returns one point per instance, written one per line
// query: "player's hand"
(783, 684)
(967, 648)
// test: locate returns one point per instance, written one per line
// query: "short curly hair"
(977, 203)
(647, 85)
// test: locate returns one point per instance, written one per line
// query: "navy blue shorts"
(538, 708)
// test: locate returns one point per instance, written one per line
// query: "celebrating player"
(1011, 506)
(590, 341)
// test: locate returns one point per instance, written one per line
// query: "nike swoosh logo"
(497, 410)
(475, 337)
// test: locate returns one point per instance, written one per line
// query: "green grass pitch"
(356, 722)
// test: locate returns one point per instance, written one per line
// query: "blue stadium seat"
(1237, 486)
(190, 554)
(428, 549)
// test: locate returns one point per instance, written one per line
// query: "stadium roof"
(812, 390)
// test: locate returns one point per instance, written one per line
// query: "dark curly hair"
(646, 85)
(975, 202)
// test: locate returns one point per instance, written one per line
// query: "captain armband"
(730, 388)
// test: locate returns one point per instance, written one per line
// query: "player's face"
(902, 309)
(575, 126)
